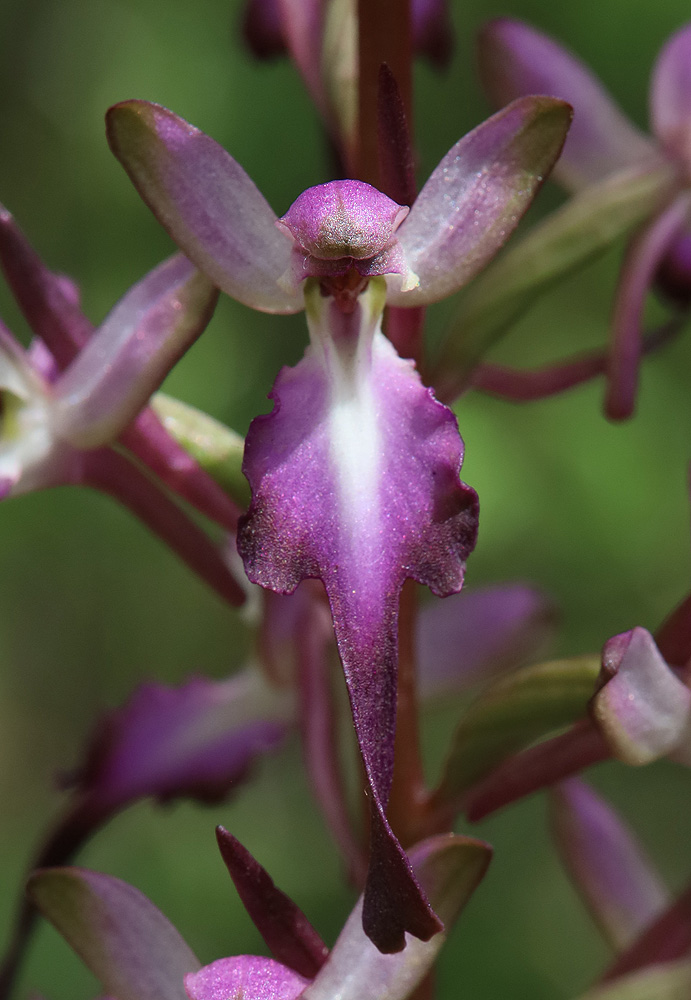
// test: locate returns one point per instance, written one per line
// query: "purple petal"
(207, 203)
(197, 740)
(474, 636)
(516, 60)
(666, 939)
(130, 354)
(645, 252)
(127, 943)
(477, 195)
(245, 977)
(449, 869)
(643, 708)
(354, 480)
(670, 96)
(47, 300)
(606, 863)
(286, 930)
(106, 470)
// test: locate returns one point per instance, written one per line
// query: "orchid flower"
(136, 954)
(604, 150)
(75, 393)
(354, 474)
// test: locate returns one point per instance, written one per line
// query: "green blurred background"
(597, 514)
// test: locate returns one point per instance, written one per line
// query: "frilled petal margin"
(354, 480)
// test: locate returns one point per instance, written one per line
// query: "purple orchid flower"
(138, 955)
(603, 145)
(78, 391)
(354, 474)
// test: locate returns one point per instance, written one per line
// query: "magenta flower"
(136, 954)
(604, 147)
(354, 474)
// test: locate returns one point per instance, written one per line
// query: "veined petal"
(207, 203)
(515, 59)
(670, 96)
(476, 197)
(606, 863)
(354, 480)
(643, 257)
(131, 353)
(449, 869)
(642, 708)
(127, 943)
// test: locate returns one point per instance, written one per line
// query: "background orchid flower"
(138, 955)
(603, 152)
(63, 410)
(354, 474)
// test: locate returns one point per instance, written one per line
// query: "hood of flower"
(343, 219)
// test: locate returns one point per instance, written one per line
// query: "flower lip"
(342, 219)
